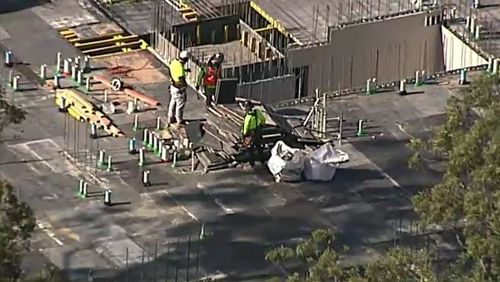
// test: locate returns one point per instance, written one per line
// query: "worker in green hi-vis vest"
(252, 132)
(208, 77)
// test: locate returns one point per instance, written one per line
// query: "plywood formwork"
(388, 50)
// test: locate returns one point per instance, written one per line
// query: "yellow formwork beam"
(267, 28)
(82, 110)
(112, 48)
(106, 42)
(96, 38)
(274, 23)
(68, 31)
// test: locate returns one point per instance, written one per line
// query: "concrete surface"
(151, 232)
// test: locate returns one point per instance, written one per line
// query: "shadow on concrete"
(9, 6)
(25, 161)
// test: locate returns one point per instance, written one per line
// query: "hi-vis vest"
(176, 70)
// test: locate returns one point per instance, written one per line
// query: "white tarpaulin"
(286, 163)
(322, 163)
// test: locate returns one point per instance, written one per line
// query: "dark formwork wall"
(269, 90)
(211, 31)
(388, 50)
(257, 71)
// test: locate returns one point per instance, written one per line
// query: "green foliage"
(16, 225)
(401, 265)
(9, 113)
(468, 197)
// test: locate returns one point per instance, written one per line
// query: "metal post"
(323, 121)
(193, 163)
(160, 148)
(15, 83)
(496, 64)
(402, 87)
(86, 64)
(341, 121)
(62, 105)
(9, 60)
(87, 84)
(93, 131)
(107, 197)
(100, 161)
(145, 137)
(84, 193)
(132, 146)
(463, 77)
(57, 85)
(105, 95)
(109, 164)
(360, 132)
(158, 123)
(174, 158)
(477, 32)
(155, 144)
(58, 62)
(80, 186)
(369, 86)
(43, 73)
(163, 156)
(150, 140)
(74, 71)
(79, 77)
(141, 156)
(417, 78)
(136, 123)
(145, 178)
(66, 68)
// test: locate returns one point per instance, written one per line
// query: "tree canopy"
(468, 197)
(16, 225)
(9, 112)
(466, 201)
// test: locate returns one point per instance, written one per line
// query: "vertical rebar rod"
(155, 262)
(74, 140)
(188, 258)
(142, 263)
(126, 265)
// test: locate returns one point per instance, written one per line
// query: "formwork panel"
(388, 50)
(269, 90)
(210, 31)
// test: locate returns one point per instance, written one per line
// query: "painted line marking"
(225, 208)
(394, 182)
(181, 206)
(45, 227)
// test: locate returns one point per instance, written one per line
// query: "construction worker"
(208, 77)
(178, 88)
(252, 131)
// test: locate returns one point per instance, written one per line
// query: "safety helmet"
(184, 56)
(248, 105)
(219, 57)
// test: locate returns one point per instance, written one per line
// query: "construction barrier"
(83, 110)
(104, 45)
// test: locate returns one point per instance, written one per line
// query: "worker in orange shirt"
(208, 77)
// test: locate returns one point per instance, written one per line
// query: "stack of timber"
(221, 143)
(77, 105)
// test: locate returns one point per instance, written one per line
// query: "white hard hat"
(184, 55)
